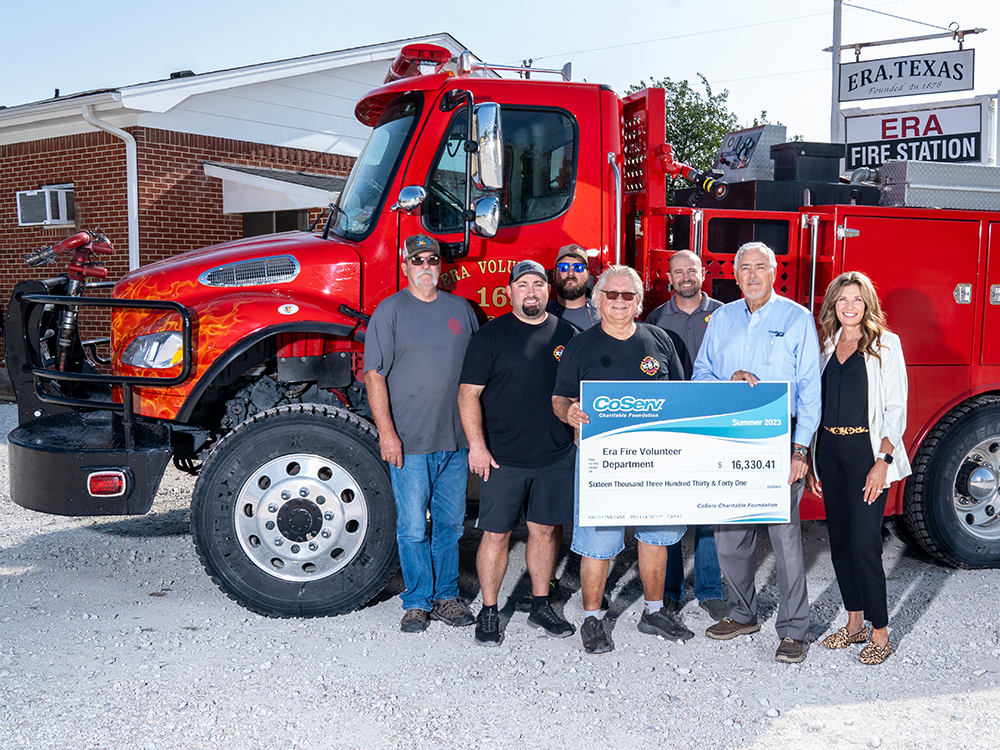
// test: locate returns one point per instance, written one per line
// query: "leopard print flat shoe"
(874, 653)
(842, 638)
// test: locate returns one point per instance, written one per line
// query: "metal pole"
(835, 87)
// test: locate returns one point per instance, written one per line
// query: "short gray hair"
(626, 272)
(755, 246)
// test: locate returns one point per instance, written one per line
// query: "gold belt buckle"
(846, 430)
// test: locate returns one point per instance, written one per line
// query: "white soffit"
(250, 193)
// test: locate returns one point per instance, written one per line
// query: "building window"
(270, 222)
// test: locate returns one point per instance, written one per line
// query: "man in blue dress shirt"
(766, 337)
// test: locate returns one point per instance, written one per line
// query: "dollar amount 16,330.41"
(751, 463)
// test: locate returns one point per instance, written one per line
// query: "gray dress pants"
(737, 550)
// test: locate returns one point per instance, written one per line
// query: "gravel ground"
(112, 636)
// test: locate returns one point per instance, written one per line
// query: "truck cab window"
(539, 170)
(373, 171)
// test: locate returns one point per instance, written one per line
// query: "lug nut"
(269, 525)
(286, 495)
(320, 499)
(295, 549)
(313, 546)
(328, 516)
(278, 541)
(325, 533)
(272, 508)
(990, 510)
(304, 492)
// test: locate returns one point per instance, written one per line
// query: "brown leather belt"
(846, 430)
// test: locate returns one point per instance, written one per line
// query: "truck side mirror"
(410, 197)
(488, 161)
(487, 220)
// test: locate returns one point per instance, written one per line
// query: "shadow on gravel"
(169, 523)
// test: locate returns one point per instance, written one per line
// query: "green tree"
(696, 122)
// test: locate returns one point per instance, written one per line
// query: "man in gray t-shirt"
(569, 280)
(685, 318)
(414, 348)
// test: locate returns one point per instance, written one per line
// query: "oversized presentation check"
(673, 452)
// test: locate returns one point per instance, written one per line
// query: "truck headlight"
(156, 351)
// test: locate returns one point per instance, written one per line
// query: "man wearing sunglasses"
(569, 278)
(523, 454)
(618, 348)
(414, 348)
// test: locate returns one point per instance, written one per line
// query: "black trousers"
(855, 528)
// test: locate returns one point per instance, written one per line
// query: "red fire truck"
(247, 356)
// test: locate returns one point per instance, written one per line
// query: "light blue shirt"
(778, 342)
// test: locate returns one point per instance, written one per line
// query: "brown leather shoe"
(790, 651)
(728, 628)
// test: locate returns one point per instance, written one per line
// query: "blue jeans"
(707, 576)
(430, 565)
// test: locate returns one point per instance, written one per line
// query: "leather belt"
(846, 430)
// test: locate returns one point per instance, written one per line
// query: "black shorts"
(548, 491)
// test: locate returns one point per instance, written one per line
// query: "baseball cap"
(571, 249)
(525, 267)
(421, 243)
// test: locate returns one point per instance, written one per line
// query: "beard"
(688, 293)
(532, 309)
(567, 292)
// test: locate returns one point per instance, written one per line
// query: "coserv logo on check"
(628, 403)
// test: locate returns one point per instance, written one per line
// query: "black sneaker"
(671, 605)
(555, 593)
(414, 621)
(595, 640)
(454, 612)
(488, 628)
(663, 624)
(546, 618)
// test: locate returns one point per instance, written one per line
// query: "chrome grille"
(257, 272)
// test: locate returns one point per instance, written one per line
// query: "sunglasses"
(578, 267)
(627, 296)
(432, 260)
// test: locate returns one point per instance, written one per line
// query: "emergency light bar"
(412, 56)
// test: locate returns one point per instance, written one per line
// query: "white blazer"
(887, 392)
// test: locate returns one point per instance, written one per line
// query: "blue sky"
(768, 55)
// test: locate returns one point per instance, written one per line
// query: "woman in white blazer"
(858, 452)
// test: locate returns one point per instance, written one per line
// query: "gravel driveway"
(112, 636)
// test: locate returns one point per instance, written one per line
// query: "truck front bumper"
(52, 458)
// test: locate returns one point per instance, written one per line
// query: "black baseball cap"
(421, 243)
(525, 267)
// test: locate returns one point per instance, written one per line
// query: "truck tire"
(951, 504)
(293, 513)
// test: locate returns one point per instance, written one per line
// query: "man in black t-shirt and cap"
(522, 452)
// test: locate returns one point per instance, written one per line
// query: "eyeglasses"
(627, 296)
(578, 267)
(432, 260)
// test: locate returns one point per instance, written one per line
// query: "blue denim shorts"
(604, 542)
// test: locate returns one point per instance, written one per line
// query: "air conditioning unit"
(49, 206)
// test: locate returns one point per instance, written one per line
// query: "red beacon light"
(409, 60)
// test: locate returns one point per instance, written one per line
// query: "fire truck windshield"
(364, 193)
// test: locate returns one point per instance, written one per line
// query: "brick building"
(206, 158)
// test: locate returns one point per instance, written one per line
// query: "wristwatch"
(801, 450)
(887, 457)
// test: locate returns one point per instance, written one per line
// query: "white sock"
(652, 607)
(596, 613)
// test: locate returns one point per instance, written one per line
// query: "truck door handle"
(963, 294)
(995, 294)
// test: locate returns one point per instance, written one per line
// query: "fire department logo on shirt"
(707, 317)
(650, 366)
(454, 326)
(558, 352)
